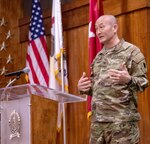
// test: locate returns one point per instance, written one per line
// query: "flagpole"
(64, 114)
(59, 53)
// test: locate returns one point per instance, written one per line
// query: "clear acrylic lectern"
(28, 113)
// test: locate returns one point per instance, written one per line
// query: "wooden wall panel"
(134, 27)
(78, 9)
(119, 7)
(11, 12)
(144, 99)
(77, 49)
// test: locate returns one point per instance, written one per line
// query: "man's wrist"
(130, 82)
(81, 92)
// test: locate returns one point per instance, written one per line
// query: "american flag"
(37, 54)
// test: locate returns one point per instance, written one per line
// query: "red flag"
(95, 10)
(37, 54)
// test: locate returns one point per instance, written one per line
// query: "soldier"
(118, 72)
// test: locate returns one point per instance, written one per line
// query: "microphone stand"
(11, 82)
(8, 85)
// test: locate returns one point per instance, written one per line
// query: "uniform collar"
(115, 48)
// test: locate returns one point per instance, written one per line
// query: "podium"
(29, 113)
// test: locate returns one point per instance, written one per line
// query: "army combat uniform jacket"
(117, 102)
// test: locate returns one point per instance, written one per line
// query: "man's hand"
(84, 83)
(119, 76)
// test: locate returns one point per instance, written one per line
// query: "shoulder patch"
(129, 47)
(138, 57)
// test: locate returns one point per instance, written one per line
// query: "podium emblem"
(14, 125)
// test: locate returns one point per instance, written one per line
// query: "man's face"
(105, 30)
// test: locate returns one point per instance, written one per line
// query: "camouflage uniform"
(114, 106)
(114, 133)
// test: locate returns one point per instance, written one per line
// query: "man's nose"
(99, 31)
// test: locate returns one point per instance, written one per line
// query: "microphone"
(18, 73)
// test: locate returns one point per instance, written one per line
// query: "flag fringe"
(89, 115)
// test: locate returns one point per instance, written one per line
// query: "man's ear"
(115, 27)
